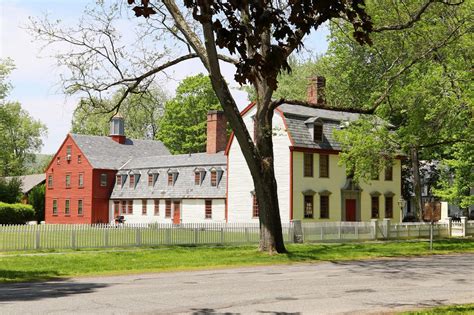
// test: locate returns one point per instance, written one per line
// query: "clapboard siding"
(240, 183)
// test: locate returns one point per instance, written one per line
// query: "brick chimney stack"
(315, 92)
(117, 129)
(216, 131)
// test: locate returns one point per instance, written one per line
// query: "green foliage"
(15, 213)
(363, 142)
(10, 190)
(458, 177)
(36, 198)
(38, 165)
(20, 134)
(140, 111)
(183, 125)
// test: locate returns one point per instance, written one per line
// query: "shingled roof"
(28, 182)
(185, 165)
(296, 117)
(104, 153)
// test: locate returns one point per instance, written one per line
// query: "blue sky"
(36, 78)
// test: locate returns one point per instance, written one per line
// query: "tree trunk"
(417, 183)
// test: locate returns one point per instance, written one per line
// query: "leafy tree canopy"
(183, 125)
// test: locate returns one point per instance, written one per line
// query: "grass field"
(445, 310)
(43, 265)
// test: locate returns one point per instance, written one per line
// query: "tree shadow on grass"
(30, 291)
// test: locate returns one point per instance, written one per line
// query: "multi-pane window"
(132, 181)
(81, 180)
(103, 180)
(68, 180)
(55, 207)
(123, 208)
(197, 178)
(324, 207)
(116, 208)
(79, 159)
(67, 207)
(208, 209)
(118, 180)
(375, 207)
(58, 160)
(308, 207)
(50, 181)
(168, 209)
(324, 165)
(389, 173)
(156, 203)
(79, 207)
(68, 150)
(144, 204)
(388, 207)
(130, 207)
(308, 164)
(255, 210)
(150, 179)
(214, 178)
(318, 133)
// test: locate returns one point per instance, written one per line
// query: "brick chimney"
(315, 92)
(117, 129)
(216, 131)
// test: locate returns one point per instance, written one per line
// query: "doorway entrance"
(176, 212)
(350, 210)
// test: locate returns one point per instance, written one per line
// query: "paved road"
(358, 287)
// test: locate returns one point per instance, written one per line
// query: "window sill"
(68, 187)
(80, 215)
(67, 215)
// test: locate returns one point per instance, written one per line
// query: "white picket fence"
(28, 237)
(69, 236)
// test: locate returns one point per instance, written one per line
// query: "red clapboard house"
(81, 176)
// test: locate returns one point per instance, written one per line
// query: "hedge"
(16, 213)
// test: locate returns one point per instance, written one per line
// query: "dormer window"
(152, 177)
(172, 176)
(318, 132)
(131, 181)
(118, 180)
(199, 176)
(315, 126)
(216, 175)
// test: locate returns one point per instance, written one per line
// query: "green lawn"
(49, 265)
(451, 309)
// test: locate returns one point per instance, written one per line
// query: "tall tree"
(183, 125)
(418, 77)
(20, 134)
(258, 37)
(142, 113)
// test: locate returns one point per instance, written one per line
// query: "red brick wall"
(216, 132)
(59, 191)
(101, 195)
(95, 198)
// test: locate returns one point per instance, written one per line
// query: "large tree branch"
(415, 17)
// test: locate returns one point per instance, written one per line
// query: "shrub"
(36, 199)
(10, 190)
(16, 213)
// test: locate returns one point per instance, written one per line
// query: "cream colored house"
(311, 184)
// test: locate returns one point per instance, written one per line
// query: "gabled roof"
(104, 153)
(29, 181)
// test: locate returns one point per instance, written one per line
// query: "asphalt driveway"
(359, 287)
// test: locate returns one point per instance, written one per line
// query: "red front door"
(177, 212)
(350, 209)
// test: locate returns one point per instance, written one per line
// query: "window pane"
(79, 207)
(324, 207)
(197, 178)
(308, 164)
(144, 206)
(168, 209)
(388, 207)
(323, 165)
(255, 210)
(213, 178)
(103, 180)
(130, 207)
(208, 209)
(318, 133)
(157, 206)
(375, 207)
(389, 173)
(308, 207)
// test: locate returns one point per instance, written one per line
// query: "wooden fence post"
(38, 239)
(138, 237)
(375, 224)
(73, 238)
